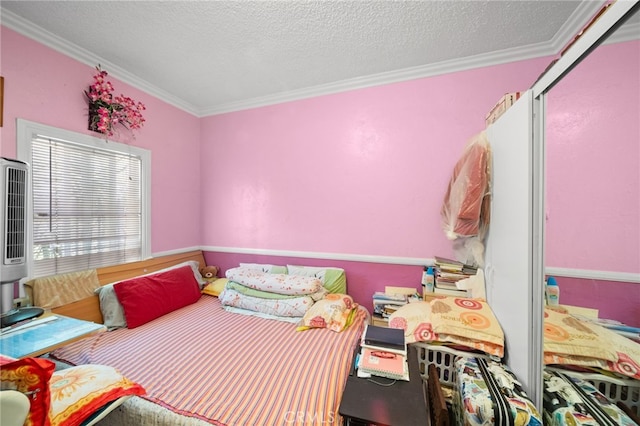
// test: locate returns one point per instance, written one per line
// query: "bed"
(587, 352)
(205, 363)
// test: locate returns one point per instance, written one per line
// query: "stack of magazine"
(447, 273)
(383, 353)
(385, 304)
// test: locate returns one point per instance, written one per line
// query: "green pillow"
(333, 279)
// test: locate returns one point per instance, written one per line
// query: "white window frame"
(25, 132)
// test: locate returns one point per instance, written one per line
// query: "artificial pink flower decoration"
(106, 110)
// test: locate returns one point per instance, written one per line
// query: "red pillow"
(146, 298)
(31, 377)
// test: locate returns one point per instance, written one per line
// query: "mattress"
(225, 368)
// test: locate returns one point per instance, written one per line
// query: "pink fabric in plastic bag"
(465, 211)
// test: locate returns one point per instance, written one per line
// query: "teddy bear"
(209, 273)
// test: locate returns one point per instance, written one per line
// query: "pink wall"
(614, 300)
(593, 179)
(361, 172)
(593, 163)
(44, 86)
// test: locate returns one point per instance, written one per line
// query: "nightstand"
(44, 334)
(400, 404)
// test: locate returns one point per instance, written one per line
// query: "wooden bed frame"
(88, 309)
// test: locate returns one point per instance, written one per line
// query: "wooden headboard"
(89, 308)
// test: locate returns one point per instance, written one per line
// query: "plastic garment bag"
(465, 211)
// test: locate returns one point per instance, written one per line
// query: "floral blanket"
(571, 341)
(285, 307)
(278, 295)
(454, 320)
(296, 285)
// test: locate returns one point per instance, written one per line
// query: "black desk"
(401, 404)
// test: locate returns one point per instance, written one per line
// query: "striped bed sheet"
(229, 369)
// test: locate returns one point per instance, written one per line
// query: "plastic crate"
(443, 358)
(626, 391)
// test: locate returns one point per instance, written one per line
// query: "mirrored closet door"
(586, 169)
(592, 173)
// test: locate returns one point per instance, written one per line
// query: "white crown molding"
(396, 76)
(28, 29)
(576, 23)
(578, 19)
(573, 25)
(627, 32)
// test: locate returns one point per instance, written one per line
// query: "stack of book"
(447, 273)
(501, 107)
(383, 353)
(384, 304)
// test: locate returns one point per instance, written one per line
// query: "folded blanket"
(468, 318)
(567, 335)
(57, 290)
(274, 283)
(570, 341)
(289, 307)
(457, 320)
(248, 291)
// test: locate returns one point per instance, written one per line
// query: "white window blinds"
(87, 207)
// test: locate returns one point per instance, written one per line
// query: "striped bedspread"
(228, 368)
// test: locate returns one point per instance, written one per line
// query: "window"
(89, 200)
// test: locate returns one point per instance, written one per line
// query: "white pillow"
(112, 311)
(265, 267)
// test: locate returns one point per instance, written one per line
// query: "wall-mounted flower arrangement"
(106, 111)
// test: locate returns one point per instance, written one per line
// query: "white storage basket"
(626, 391)
(443, 358)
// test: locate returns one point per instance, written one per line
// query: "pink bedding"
(228, 368)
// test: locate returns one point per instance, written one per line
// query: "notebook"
(385, 364)
(385, 338)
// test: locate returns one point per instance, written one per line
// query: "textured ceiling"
(214, 56)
